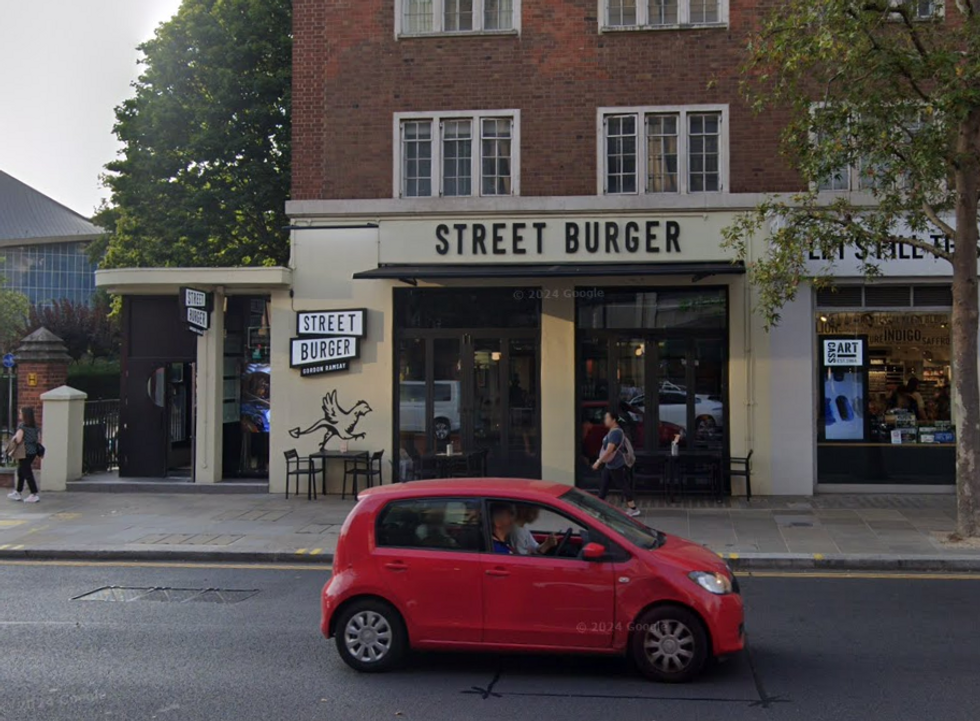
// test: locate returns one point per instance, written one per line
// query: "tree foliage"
(89, 331)
(203, 176)
(877, 86)
(15, 308)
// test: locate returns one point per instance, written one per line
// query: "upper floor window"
(920, 9)
(429, 17)
(649, 14)
(663, 150)
(457, 154)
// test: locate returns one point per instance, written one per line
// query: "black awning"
(437, 271)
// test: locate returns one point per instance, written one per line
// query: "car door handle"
(498, 572)
(396, 566)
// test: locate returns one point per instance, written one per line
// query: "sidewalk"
(856, 531)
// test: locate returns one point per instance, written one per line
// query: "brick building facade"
(507, 217)
(352, 73)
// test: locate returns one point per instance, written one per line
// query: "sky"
(64, 67)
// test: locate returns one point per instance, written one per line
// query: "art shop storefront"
(884, 372)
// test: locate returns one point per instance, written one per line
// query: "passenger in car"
(432, 531)
(522, 539)
(502, 525)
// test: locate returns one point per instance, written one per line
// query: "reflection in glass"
(411, 407)
(522, 396)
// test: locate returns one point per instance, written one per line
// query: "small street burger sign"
(195, 309)
(327, 340)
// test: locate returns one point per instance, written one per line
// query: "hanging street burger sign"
(327, 340)
(195, 309)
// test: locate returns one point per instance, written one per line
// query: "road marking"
(11, 524)
(315, 551)
(300, 551)
(858, 575)
(176, 564)
(4, 546)
(17, 547)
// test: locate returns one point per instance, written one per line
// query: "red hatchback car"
(508, 565)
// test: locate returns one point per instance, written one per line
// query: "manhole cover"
(122, 594)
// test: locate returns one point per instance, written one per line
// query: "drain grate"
(163, 594)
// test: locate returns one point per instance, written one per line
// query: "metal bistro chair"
(745, 472)
(369, 469)
(296, 467)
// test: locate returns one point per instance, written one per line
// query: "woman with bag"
(24, 447)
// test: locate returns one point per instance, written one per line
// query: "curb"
(739, 562)
(849, 562)
(182, 556)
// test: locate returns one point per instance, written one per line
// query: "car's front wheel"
(669, 644)
(371, 636)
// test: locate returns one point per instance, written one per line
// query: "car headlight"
(716, 583)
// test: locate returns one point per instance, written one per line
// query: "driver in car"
(522, 539)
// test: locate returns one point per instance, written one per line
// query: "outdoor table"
(345, 456)
(444, 462)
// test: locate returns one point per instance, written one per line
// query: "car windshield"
(625, 526)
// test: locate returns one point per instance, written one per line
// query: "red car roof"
(469, 487)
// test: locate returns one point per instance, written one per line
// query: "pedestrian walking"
(24, 447)
(612, 460)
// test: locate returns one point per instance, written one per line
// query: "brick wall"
(49, 376)
(351, 74)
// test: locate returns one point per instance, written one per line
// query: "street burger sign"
(327, 340)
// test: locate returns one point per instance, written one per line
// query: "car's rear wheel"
(371, 636)
(669, 644)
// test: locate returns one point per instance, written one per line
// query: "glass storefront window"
(654, 309)
(908, 377)
(884, 411)
(658, 357)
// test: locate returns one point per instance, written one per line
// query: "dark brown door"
(144, 436)
(154, 341)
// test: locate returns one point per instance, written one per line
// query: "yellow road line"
(315, 551)
(300, 551)
(11, 524)
(175, 564)
(884, 575)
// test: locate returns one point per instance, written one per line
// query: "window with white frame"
(864, 174)
(428, 17)
(663, 150)
(457, 154)
(650, 14)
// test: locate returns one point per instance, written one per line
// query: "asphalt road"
(820, 648)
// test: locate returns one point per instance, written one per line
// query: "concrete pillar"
(64, 417)
(209, 431)
(559, 417)
(42, 364)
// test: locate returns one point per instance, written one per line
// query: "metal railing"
(100, 436)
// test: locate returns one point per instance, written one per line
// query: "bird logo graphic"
(336, 422)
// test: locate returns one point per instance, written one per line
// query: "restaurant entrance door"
(659, 358)
(475, 388)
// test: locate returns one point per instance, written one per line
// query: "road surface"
(895, 649)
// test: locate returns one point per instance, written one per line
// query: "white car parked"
(709, 413)
(446, 413)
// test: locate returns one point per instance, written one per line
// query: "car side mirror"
(593, 551)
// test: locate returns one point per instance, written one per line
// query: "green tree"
(893, 89)
(203, 176)
(15, 310)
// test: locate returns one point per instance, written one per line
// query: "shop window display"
(884, 385)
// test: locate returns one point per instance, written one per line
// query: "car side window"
(538, 531)
(450, 524)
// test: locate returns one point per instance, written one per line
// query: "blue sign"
(9, 361)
